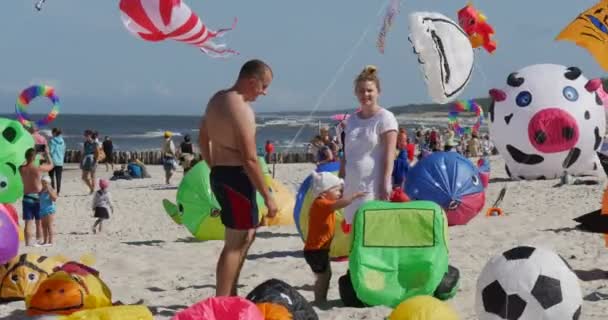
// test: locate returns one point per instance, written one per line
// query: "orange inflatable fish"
(72, 287)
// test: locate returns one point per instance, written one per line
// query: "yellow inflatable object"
(21, 276)
(341, 243)
(423, 308)
(137, 312)
(73, 287)
(588, 30)
(286, 200)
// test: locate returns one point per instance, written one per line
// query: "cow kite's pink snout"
(553, 130)
(498, 95)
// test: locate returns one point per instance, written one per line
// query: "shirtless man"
(31, 175)
(227, 143)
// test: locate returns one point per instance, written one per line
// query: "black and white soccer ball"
(528, 283)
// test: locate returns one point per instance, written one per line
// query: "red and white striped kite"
(158, 20)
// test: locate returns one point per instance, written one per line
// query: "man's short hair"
(254, 68)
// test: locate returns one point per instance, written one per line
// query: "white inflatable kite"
(444, 52)
(547, 121)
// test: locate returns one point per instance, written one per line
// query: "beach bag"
(100, 155)
(134, 170)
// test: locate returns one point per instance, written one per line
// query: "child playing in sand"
(327, 190)
(48, 196)
(102, 204)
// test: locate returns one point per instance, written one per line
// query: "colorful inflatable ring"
(30, 94)
(465, 106)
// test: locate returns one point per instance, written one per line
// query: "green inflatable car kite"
(400, 250)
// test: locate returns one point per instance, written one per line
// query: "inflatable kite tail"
(215, 50)
(219, 33)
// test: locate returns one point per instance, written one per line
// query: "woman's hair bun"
(370, 69)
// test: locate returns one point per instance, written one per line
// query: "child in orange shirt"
(327, 190)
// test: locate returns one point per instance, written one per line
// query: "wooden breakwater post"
(153, 157)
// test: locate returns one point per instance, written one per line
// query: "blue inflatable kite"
(450, 180)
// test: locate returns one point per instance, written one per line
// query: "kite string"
(352, 53)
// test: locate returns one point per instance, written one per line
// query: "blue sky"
(82, 48)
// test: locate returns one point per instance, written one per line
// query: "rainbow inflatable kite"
(30, 94)
(465, 106)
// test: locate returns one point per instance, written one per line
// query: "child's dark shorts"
(318, 260)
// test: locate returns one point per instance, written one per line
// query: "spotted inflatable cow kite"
(547, 121)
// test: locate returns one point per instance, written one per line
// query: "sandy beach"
(143, 255)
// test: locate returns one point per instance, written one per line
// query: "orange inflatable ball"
(423, 308)
(273, 311)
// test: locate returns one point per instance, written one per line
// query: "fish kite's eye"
(471, 21)
(3, 184)
(14, 278)
(475, 180)
(32, 277)
(570, 93)
(523, 99)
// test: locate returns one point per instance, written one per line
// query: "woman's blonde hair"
(369, 73)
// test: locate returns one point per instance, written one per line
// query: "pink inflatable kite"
(9, 237)
(597, 86)
(158, 20)
(221, 308)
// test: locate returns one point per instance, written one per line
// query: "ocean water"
(133, 133)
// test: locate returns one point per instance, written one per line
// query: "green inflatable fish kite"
(196, 208)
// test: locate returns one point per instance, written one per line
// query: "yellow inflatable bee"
(21, 276)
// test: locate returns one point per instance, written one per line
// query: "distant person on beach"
(48, 196)
(168, 154)
(324, 153)
(88, 165)
(227, 143)
(102, 205)
(40, 141)
(31, 175)
(186, 145)
(327, 190)
(108, 149)
(371, 137)
(269, 148)
(57, 148)
(186, 153)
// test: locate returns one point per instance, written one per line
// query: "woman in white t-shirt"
(371, 136)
